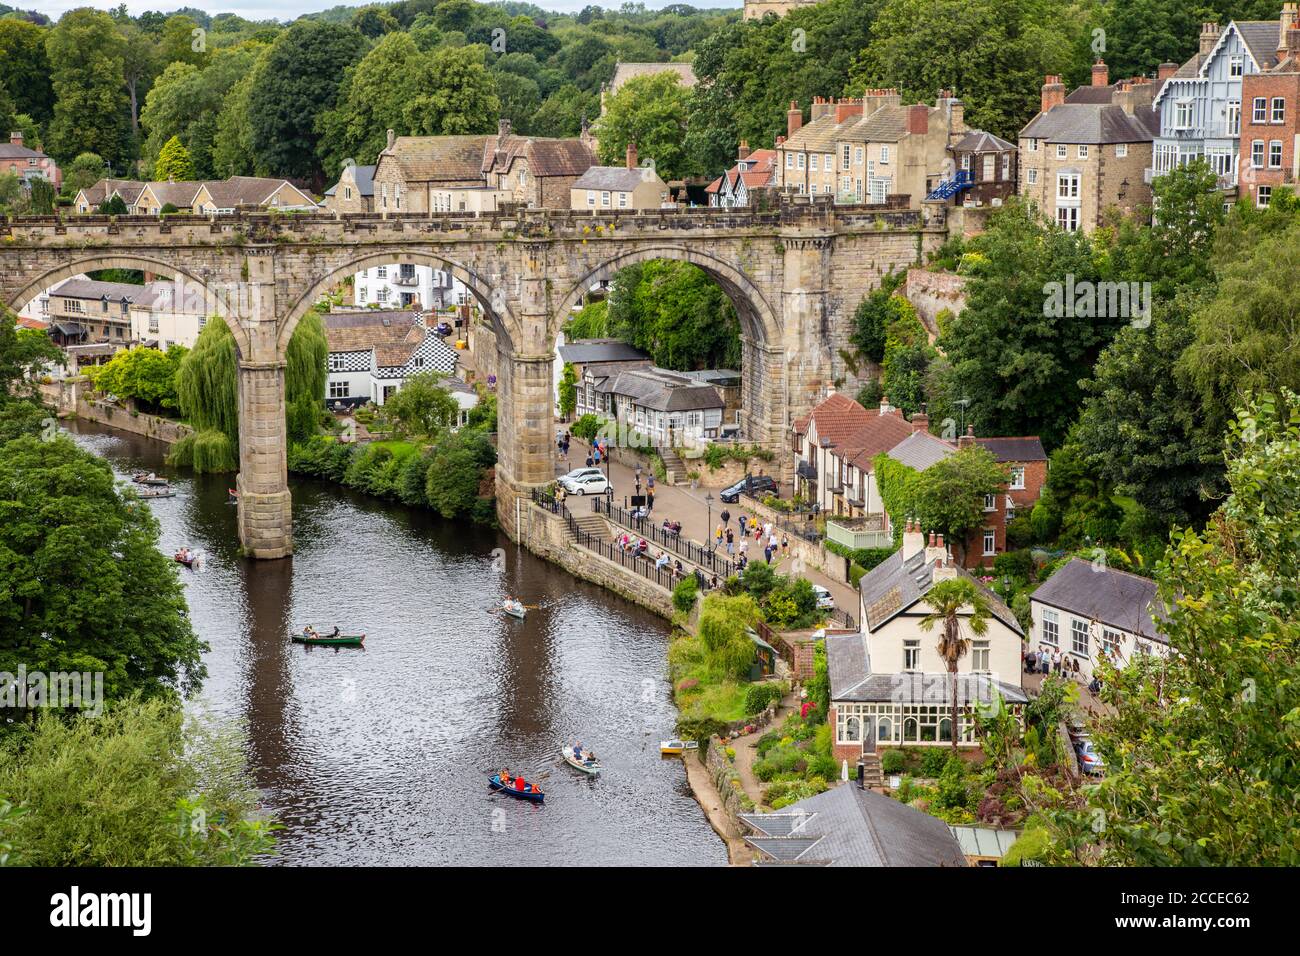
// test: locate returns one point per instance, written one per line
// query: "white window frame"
(990, 541)
(1017, 478)
(1263, 196)
(1031, 176)
(1275, 154)
(1259, 110)
(912, 654)
(1080, 634)
(1061, 151)
(1083, 151)
(884, 154)
(1278, 112)
(1257, 154)
(1051, 627)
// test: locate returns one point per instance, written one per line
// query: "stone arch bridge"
(795, 274)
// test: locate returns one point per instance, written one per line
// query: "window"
(1033, 145)
(153, 322)
(1067, 217)
(591, 197)
(829, 164)
(1275, 154)
(1079, 636)
(1060, 152)
(1257, 154)
(1083, 152)
(1236, 65)
(965, 161)
(1031, 176)
(979, 656)
(336, 362)
(990, 167)
(1279, 110)
(1234, 117)
(1121, 150)
(1183, 114)
(799, 160)
(383, 194)
(361, 295)
(1051, 627)
(1258, 109)
(1006, 165)
(381, 295)
(884, 154)
(1067, 186)
(1018, 477)
(857, 156)
(844, 156)
(813, 162)
(381, 272)
(789, 160)
(990, 502)
(339, 389)
(990, 541)
(604, 198)
(911, 655)
(1110, 643)
(1263, 196)
(347, 192)
(622, 200)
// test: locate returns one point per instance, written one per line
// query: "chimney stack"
(885, 407)
(1100, 74)
(913, 540)
(743, 153)
(16, 138)
(920, 422)
(631, 154)
(1166, 70)
(968, 439)
(1209, 37)
(1293, 42)
(1053, 92)
(793, 119)
(937, 551)
(503, 132)
(392, 138)
(846, 108)
(918, 119)
(1287, 22)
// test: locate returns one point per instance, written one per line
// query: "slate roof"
(1122, 600)
(895, 585)
(848, 826)
(978, 141)
(920, 450)
(179, 194)
(611, 178)
(1260, 37)
(886, 125)
(249, 191)
(442, 159)
(660, 389)
(15, 151)
(128, 189)
(583, 351)
(629, 71)
(1092, 123)
(363, 178)
(1027, 448)
(546, 157)
(113, 291)
(362, 331)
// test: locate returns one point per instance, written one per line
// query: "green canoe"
(341, 640)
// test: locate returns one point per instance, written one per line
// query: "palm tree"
(948, 598)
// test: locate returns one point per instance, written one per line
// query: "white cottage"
(372, 353)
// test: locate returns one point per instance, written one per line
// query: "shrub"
(1014, 564)
(686, 593)
(823, 766)
(759, 696)
(934, 761)
(585, 427)
(892, 761)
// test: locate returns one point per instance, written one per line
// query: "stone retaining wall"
(727, 781)
(68, 397)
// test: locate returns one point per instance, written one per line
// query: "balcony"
(855, 533)
(411, 280)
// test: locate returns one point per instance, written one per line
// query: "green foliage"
(676, 313)
(586, 427)
(947, 498)
(139, 786)
(87, 57)
(892, 761)
(455, 473)
(144, 374)
(649, 111)
(422, 407)
(686, 593)
(877, 311)
(722, 628)
(568, 391)
(174, 162)
(84, 170)
(759, 696)
(83, 586)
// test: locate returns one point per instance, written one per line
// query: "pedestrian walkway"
(699, 517)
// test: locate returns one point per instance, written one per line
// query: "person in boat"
(520, 785)
(589, 758)
(577, 750)
(504, 777)
(336, 631)
(310, 631)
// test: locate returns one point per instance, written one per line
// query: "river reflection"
(381, 755)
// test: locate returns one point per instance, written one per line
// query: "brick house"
(1089, 152)
(1270, 105)
(754, 170)
(888, 685)
(28, 164)
(989, 164)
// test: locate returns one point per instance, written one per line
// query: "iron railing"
(692, 551)
(642, 564)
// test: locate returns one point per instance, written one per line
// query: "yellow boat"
(672, 748)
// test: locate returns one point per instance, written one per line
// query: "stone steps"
(593, 524)
(871, 773)
(674, 470)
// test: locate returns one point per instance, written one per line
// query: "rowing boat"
(513, 608)
(674, 747)
(339, 640)
(592, 768)
(532, 793)
(143, 478)
(163, 491)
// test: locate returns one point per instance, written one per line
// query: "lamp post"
(708, 525)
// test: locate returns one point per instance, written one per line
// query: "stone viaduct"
(795, 274)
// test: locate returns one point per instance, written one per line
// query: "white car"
(580, 473)
(824, 600)
(596, 484)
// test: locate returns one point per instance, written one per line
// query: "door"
(869, 734)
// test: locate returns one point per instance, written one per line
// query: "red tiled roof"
(878, 435)
(837, 417)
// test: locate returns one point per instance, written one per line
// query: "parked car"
(596, 484)
(1090, 761)
(443, 329)
(752, 485)
(824, 600)
(579, 473)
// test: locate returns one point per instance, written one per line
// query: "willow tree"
(208, 390)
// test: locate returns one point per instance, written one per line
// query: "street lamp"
(708, 525)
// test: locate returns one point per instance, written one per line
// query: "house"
(758, 9)
(354, 192)
(987, 167)
(27, 163)
(89, 311)
(372, 353)
(601, 188)
(88, 200)
(1087, 610)
(754, 170)
(1088, 152)
(252, 192)
(835, 446)
(407, 285)
(868, 148)
(535, 171)
(888, 684)
(157, 196)
(852, 826)
(669, 408)
(411, 169)
(1200, 102)
(631, 71)
(1269, 157)
(583, 352)
(168, 313)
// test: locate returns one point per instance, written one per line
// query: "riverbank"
(70, 399)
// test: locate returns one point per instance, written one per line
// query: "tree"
(1142, 34)
(83, 586)
(1207, 734)
(25, 69)
(520, 99)
(174, 162)
(562, 113)
(140, 65)
(114, 205)
(139, 786)
(298, 81)
(568, 391)
(232, 145)
(455, 473)
(724, 622)
(874, 314)
(948, 497)
(422, 407)
(674, 311)
(141, 373)
(452, 93)
(86, 170)
(907, 356)
(649, 111)
(86, 54)
(374, 22)
(182, 41)
(949, 598)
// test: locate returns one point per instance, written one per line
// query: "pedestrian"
(726, 517)
(740, 564)
(767, 555)
(785, 544)
(589, 459)
(741, 521)
(731, 542)
(649, 500)
(1056, 660)
(637, 479)
(650, 482)
(744, 547)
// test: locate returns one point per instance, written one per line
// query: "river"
(381, 756)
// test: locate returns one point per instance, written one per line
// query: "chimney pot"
(631, 154)
(1100, 74)
(16, 138)
(1209, 37)
(1053, 93)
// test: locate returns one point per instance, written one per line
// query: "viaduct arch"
(795, 274)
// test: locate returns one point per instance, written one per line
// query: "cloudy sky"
(289, 9)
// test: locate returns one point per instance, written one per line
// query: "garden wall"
(69, 399)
